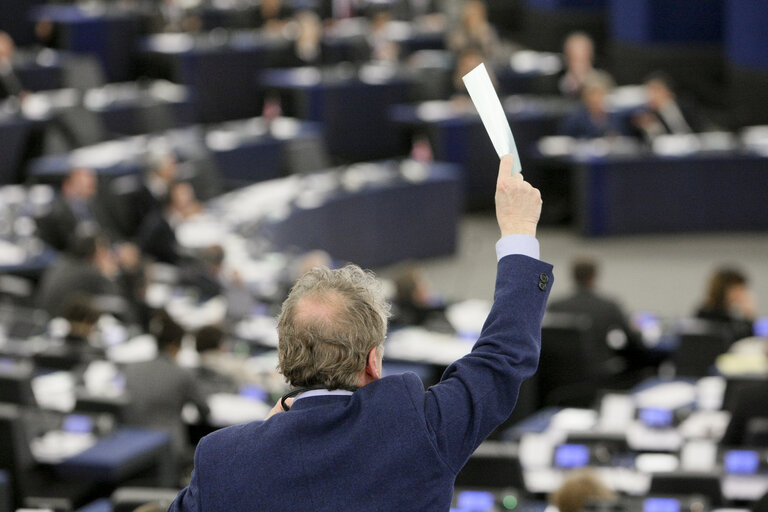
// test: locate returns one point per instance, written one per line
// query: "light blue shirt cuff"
(526, 245)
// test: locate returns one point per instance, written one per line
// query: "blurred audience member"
(145, 204)
(592, 118)
(73, 210)
(159, 389)
(613, 343)
(579, 55)
(467, 60)
(730, 302)
(665, 113)
(272, 14)
(182, 203)
(79, 312)
(89, 267)
(580, 488)
(10, 85)
(218, 368)
(205, 273)
(308, 45)
(415, 303)
(382, 47)
(474, 31)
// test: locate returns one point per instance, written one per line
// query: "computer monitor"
(661, 505)
(741, 462)
(571, 455)
(654, 417)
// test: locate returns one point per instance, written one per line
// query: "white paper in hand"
(492, 114)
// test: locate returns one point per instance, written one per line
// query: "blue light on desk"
(661, 505)
(656, 418)
(254, 392)
(77, 424)
(761, 327)
(571, 456)
(741, 462)
(476, 501)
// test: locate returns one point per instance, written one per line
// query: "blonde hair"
(329, 323)
(580, 487)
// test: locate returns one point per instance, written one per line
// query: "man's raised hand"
(518, 203)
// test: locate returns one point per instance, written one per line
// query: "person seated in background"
(89, 267)
(82, 317)
(730, 303)
(578, 58)
(665, 113)
(467, 60)
(10, 85)
(415, 303)
(146, 203)
(146, 195)
(218, 370)
(308, 42)
(614, 344)
(380, 43)
(272, 15)
(592, 119)
(474, 30)
(73, 210)
(579, 489)
(182, 203)
(158, 389)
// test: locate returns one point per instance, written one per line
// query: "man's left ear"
(372, 366)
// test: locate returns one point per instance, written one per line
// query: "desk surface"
(652, 194)
(118, 455)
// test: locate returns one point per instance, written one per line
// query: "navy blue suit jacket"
(391, 446)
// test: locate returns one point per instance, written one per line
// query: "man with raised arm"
(353, 440)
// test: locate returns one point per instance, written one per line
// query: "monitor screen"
(656, 418)
(661, 505)
(477, 501)
(254, 392)
(77, 423)
(741, 462)
(571, 456)
(761, 327)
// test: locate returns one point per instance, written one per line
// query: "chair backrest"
(16, 383)
(757, 432)
(304, 155)
(494, 465)
(15, 454)
(736, 386)
(564, 376)
(682, 483)
(700, 344)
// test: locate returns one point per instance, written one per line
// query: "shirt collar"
(323, 392)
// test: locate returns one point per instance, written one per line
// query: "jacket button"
(542, 286)
(544, 278)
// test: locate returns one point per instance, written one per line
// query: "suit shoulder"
(221, 440)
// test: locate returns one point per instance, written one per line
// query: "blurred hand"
(518, 204)
(278, 408)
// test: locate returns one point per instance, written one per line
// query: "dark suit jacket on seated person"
(390, 445)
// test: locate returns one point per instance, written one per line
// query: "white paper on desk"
(492, 114)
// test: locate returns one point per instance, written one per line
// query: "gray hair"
(329, 323)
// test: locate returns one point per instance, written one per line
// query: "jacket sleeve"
(479, 391)
(189, 499)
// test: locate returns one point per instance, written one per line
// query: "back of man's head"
(329, 323)
(584, 272)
